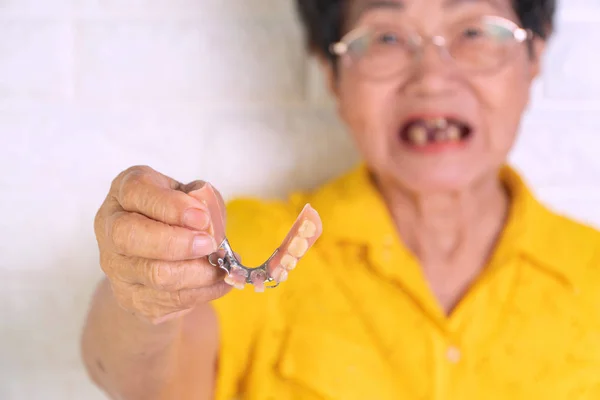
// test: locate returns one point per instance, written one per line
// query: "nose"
(432, 72)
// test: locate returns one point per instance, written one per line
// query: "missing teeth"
(441, 135)
(437, 130)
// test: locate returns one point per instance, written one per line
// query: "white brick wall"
(89, 87)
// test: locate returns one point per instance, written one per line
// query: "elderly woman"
(433, 272)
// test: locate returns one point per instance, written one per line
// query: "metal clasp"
(230, 264)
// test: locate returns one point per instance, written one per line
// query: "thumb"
(208, 195)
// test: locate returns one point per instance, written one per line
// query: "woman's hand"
(154, 236)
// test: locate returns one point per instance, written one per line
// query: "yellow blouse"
(356, 320)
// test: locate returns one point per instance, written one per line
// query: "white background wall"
(90, 87)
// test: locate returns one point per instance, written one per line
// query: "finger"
(135, 235)
(155, 304)
(212, 200)
(301, 237)
(190, 187)
(169, 276)
(197, 185)
(145, 191)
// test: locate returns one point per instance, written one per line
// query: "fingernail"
(199, 185)
(207, 195)
(199, 192)
(196, 219)
(204, 245)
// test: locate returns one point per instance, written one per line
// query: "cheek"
(504, 98)
(363, 107)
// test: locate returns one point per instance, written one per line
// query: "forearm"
(125, 356)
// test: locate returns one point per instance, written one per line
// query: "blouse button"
(453, 354)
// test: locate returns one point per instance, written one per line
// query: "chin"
(446, 178)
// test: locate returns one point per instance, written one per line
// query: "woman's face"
(433, 125)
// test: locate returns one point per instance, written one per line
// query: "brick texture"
(90, 87)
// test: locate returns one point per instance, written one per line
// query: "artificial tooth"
(279, 274)
(307, 229)
(289, 262)
(258, 278)
(229, 280)
(418, 134)
(237, 278)
(298, 247)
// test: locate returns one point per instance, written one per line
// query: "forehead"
(360, 7)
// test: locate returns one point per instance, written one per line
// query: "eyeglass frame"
(342, 47)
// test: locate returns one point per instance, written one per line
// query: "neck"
(451, 227)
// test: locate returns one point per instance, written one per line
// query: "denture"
(308, 229)
(303, 234)
(289, 262)
(298, 247)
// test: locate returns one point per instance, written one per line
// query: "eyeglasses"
(476, 46)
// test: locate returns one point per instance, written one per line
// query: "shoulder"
(571, 238)
(572, 246)
(575, 231)
(552, 239)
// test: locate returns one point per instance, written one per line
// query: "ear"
(537, 56)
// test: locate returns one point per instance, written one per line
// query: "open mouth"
(423, 132)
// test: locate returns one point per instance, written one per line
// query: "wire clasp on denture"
(235, 269)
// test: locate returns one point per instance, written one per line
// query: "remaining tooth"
(453, 133)
(279, 274)
(289, 262)
(308, 229)
(441, 123)
(298, 247)
(418, 134)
